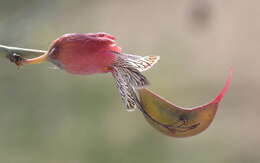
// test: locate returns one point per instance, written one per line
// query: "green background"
(48, 115)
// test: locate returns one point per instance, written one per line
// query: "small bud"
(15, 58)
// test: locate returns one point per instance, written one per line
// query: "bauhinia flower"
(93, 53)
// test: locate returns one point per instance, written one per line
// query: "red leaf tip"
(226, 87)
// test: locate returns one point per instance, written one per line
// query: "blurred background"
(47, 115)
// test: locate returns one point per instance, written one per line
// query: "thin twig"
(8, 51)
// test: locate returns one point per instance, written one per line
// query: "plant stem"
(8, 50)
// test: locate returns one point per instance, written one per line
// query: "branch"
(8, 51)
